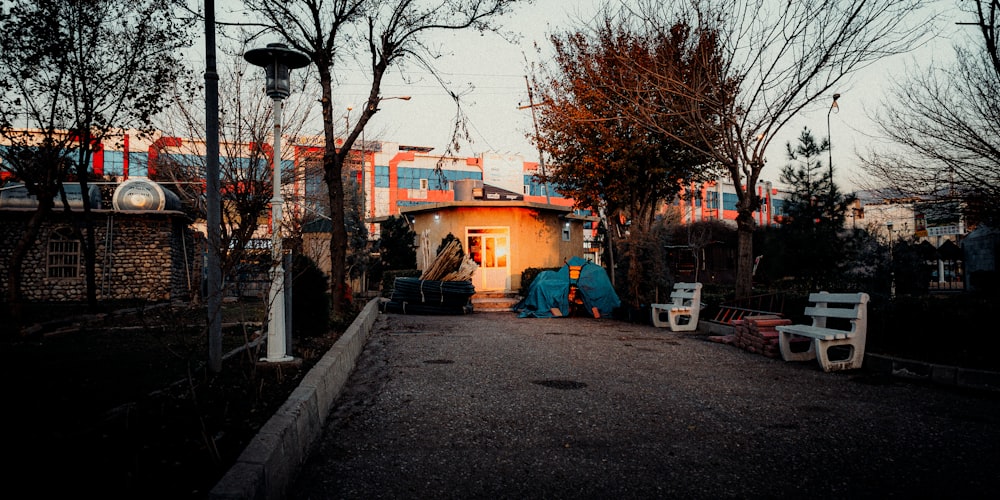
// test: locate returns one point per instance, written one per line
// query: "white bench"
(838, 319)
(682, 312)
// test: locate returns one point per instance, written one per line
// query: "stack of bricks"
(757, 334)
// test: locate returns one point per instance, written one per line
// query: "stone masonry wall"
(144, 256)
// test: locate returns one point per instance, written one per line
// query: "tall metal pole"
(829, 141)
(541, 160)
(213, 208)
(276, 350)
(892, 264)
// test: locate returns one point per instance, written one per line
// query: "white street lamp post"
(278, 61)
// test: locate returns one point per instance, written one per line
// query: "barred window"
(64, 254)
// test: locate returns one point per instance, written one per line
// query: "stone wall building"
(148, 255)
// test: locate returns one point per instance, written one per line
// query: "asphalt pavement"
(489, 405)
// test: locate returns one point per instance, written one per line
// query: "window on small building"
(64, 254)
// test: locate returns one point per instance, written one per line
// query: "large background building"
(390, 179)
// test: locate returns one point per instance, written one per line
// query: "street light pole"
(829, 141)
(368, 208)
(400, 97)
(892, 268)
(347, 123)
(213, 215)
(538, 138)
(278, 61)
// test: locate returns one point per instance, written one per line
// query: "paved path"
(490, 405)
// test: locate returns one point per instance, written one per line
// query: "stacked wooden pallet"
(758, 334)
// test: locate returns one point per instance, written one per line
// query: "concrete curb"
(966, 378)
(267, 465)
(907, 369)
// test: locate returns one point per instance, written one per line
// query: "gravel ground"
(491, 405)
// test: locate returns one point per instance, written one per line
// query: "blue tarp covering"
(550, 290)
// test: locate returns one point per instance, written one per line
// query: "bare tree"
(394, 33)
(944, 126)
(245, 157)
(78, 70)
(779, 58)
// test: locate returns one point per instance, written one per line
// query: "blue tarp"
(550, 290)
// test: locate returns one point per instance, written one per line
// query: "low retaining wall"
(267, 465)
(956, 376)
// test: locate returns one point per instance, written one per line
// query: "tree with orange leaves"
(600, 157)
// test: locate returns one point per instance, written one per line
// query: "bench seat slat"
(836, 298)
(832, 312)
(668, 306)
(815, 332)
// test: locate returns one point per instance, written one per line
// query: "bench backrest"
(849, 306)
(686, 294)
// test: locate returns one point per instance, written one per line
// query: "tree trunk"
(333, 165)
(85, 227)
(90, 259)
(744, 255)
(747, 203)
(88, 239)
(15, 302)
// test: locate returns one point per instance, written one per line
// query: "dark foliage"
(311, 303)
(702, 251)
(640, 270)
(122, 404)
(811, 228)
(396, 247)
(987, 281)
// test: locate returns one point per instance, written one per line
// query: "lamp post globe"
(278, 61)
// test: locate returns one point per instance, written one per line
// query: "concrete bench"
(682, 312)
(838, 319)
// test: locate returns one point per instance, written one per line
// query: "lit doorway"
(489, 247)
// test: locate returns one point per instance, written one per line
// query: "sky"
(491, 73)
